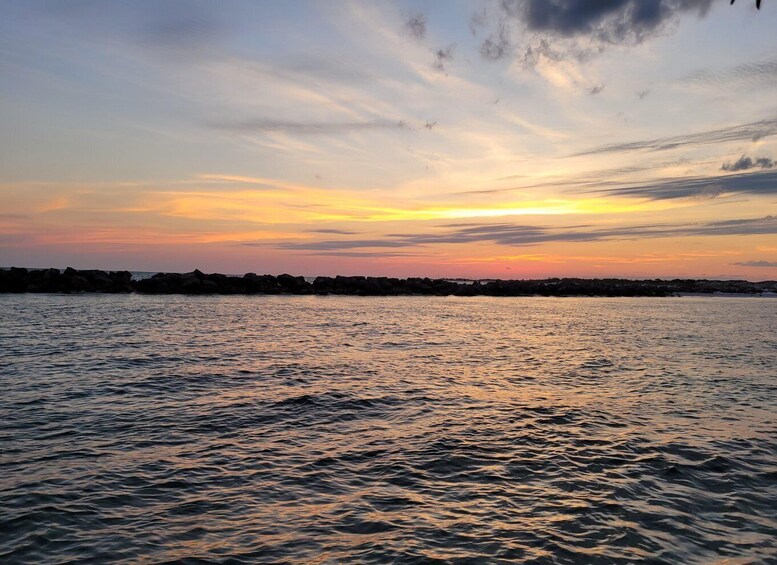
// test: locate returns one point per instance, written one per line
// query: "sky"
(475, 139)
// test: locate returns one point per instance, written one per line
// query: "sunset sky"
(512, 139)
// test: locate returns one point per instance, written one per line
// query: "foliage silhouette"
(757, 3)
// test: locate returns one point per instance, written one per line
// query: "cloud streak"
(264, 125)
(748, 74)
(601, 183)
(364, 254)
(753, 131)
(333, 231)
(761, 183)
(526, 235)
(768, 264)
(335, 245)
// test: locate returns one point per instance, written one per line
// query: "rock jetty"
(18, 280)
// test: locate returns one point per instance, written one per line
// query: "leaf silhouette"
(757, 3)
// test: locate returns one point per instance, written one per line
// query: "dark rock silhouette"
(196, 282)
(70, 280)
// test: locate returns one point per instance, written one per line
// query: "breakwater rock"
(70, 280)
(196, 282)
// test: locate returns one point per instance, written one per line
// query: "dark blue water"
(344, 429)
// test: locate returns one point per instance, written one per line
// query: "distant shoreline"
(22, 280)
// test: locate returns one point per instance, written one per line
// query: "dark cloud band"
(525, 235)
(578, 29)
(760, 183)
(612, 21)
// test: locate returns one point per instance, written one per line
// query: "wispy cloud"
(596, 89)
(255, 182)
(163, 29)
(748, 74)
(261, 125)
(415, 26)
(745, 163)
(333, 245)
(753, 131)
(333, 231)
(171, 27)
(498, 44)
(524, 235)
(364, 254)
(443, 57)
(769, 264)
(610, 182)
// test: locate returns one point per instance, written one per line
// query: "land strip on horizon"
(22, 280)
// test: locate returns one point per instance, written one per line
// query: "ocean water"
(313, 429)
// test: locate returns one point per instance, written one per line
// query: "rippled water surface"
(331, 429)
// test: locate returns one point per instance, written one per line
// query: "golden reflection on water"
(328, 429)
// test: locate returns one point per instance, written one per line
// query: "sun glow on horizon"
(133, 136)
